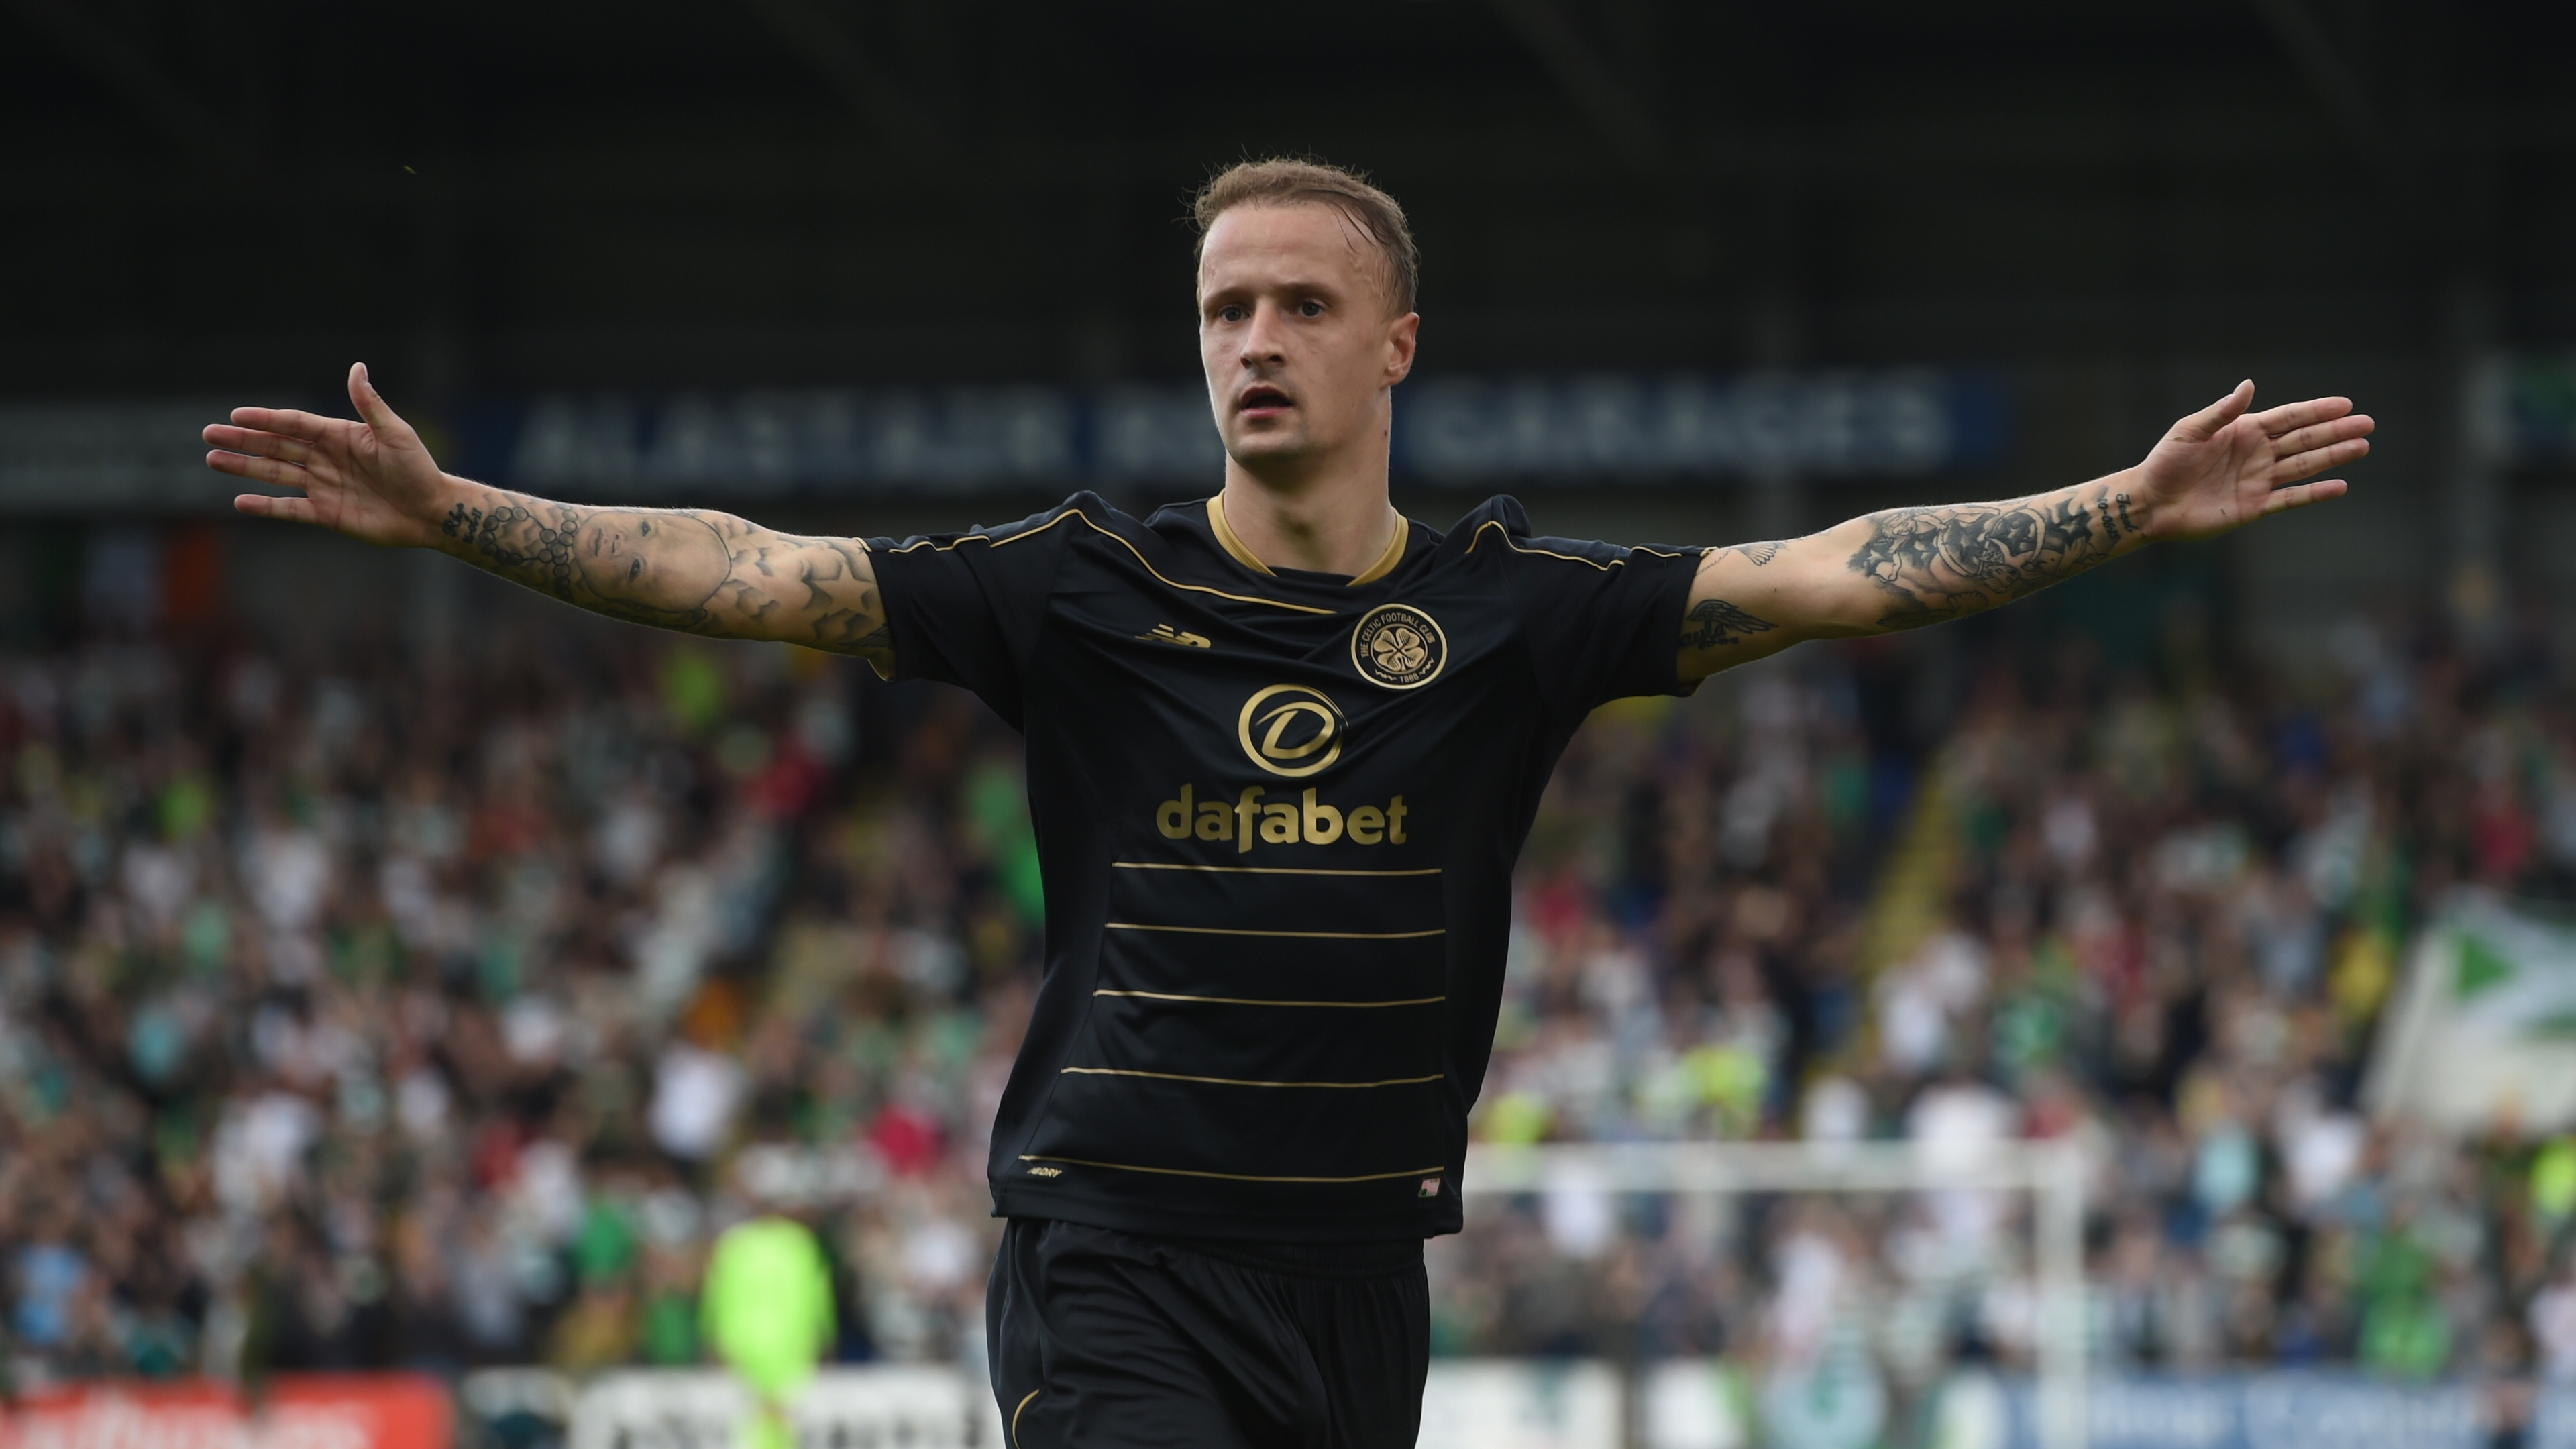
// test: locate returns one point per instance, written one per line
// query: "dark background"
(2119, 208)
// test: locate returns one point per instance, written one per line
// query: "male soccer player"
(1283, 746)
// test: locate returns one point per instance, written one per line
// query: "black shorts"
(1103, 1340)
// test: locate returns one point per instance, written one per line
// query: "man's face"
(1295, 334)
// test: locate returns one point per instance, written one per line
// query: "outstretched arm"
(2217, 470)
(691, 569)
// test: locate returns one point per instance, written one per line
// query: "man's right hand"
(692, 569)
(371, 480)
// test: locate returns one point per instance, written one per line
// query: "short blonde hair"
(1289, 181)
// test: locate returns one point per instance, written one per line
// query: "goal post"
(2052, 1173)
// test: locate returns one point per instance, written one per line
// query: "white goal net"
(1731, 1295)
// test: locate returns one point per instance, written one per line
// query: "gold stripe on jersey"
(1229, 1176)
(987, 538)
(1196, 588)
(1479, 537)
(991, 542)
(1291, 935)
(1245, 1082)
(1260, 1001)
(1261, 869)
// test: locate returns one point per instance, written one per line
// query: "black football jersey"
(1276, 815)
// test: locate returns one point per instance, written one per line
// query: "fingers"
(258, 444)
(2201, 426)
(2317, 460)
(263, 470)
(2301, 495)
(311, 427)
(2319, 435)
(371, 404)
(2292, 416)
(289, 510)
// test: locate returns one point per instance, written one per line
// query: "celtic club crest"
(1398, 646)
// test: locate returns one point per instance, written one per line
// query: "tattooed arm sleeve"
(680, 568)
(1900, 569)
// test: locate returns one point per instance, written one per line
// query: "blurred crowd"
(378, 1007)
(372, 1010)
(2153, 908)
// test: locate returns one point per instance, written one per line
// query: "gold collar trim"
(1234, 548)
(1394, 554)
(1226, 540)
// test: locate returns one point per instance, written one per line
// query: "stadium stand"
(363, 1014)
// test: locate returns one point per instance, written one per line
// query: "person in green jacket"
(767, 1311)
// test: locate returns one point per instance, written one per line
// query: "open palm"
(2224, 466)
(372, 480)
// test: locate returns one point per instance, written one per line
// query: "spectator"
(363, 1014)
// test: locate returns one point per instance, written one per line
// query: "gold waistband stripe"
(1263, 1001)
(1261, 869)
(1228, 1176)
(1288, 935)
(1242, 1082)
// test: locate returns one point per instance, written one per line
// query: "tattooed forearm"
(649, 567)
(513, 541)
(1914, 566)
(1714, 622)
(691, 569)
(1939, 563)
(842, 610)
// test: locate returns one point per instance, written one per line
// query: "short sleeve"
(966, 608)
(1603, 622)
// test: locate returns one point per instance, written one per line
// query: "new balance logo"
(1166, 634)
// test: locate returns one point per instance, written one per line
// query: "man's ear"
(1401, 335)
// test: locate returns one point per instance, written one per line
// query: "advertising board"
(335, 1411)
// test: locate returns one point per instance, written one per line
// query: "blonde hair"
(1289, 181)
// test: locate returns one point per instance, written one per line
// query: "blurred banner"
(112, 456)
(1785, 425)
(918, 1406)
(1471, 1404)
(2482, 1033)
(2271, 1411)
(1487, 1404)
(145, 456)
(1707, 1404)
(1680, 1404)
(1464, 430)
(353, 1411)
